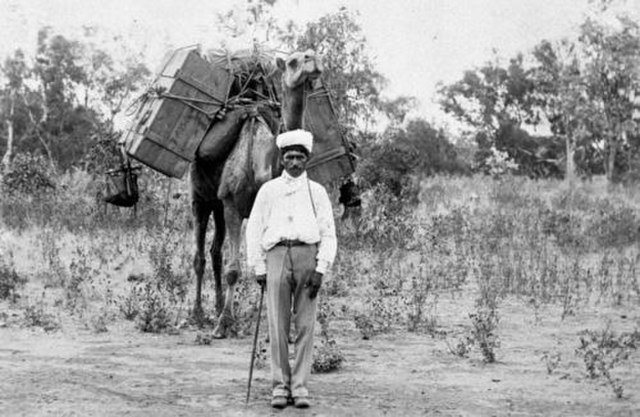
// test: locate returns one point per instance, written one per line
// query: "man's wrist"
(322, 266)
(260, 270)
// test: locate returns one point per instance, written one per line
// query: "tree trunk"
(36, 128)
(611, 158)
(6, 159)
(570, 173)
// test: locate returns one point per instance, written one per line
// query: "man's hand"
(262, 280)
(314, 284)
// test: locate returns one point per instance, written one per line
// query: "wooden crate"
(330, 159)
(172, 120)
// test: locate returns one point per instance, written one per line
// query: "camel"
(233, 161)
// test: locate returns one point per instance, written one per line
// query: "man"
(291, 243)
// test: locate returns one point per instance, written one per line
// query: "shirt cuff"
(322, 266)
(260, 268)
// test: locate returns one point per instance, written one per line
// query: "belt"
(289, 243)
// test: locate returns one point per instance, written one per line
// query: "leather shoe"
(279, 401)
(301, 402)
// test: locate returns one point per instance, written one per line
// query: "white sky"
(415, 43)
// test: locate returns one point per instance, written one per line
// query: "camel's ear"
(280, 63)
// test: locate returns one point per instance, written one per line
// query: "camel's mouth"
(302, 68)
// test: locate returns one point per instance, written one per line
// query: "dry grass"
(538, 244)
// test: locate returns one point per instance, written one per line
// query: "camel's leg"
(234, 226)
(216, 252)
(201, 211)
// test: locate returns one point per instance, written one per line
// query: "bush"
(10, 281)
(613, 223)
(29, 174)
(386, 220)
(36, 316)
(327, 357)
(602, 351)
(154, 317)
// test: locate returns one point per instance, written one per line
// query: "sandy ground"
(74, 372)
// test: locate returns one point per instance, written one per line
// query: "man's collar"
(290, 180)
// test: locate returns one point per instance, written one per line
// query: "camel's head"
(299, 67)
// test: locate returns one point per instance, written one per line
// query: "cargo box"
(331, 158)
(175, 114)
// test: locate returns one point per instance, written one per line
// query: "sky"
(415, 44)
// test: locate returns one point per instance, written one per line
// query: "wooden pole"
(166, 202)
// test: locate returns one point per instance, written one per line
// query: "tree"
(15, 71)
(561, 94)
(490, 96)
(349, 72)
(64, 102)
(490, 99)
(397, 109)
(613, 76)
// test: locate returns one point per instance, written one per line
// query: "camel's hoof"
(217, 334)
(198, 317)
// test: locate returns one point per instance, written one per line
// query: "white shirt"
(283, 211)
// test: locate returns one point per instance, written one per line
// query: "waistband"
(289, 243)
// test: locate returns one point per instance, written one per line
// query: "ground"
(97, 363)
(126, 372)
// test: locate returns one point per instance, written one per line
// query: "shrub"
(36, 316)
(327, 357)
(613, 223)
(162, 249)
(129, 304)
(29, 174)
(602, 350)
(485, 322)
(154, 317)
(386, 221)
(10, 281)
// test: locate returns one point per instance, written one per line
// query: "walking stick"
(255, 343)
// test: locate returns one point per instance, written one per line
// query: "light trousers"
(289, 270)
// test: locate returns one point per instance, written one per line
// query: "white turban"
(295, 137)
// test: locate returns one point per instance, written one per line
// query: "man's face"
(295, 162)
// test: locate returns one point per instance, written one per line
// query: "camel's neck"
(293, 107)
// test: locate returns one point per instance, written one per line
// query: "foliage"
(612, 73)
(154, 316)
(71, 90)
(533, 156)
(485, 322)
(498, 163)
(161, 251)
(327, 357)
(29, 175)
(35, 315)
(384, 221)
(602, 350)
(490, 96)
(349, 72)
(393, 161)
(10, 280)
(129, 303)
(582, 89)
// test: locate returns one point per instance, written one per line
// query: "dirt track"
(125, 372)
